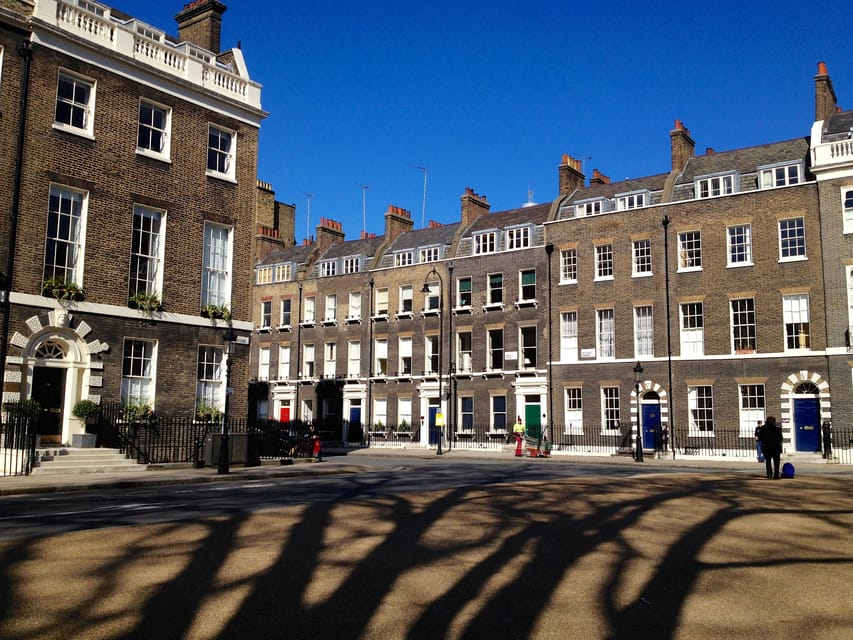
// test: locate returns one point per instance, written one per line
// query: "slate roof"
(428, 237)
(745, 160)
(298, 255)
(535, 214)
(839, 125)
(651, 183)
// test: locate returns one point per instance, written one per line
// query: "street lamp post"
(230, 341)
(426, 289)
(638, 371)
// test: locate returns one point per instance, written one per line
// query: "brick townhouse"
(683, 306)
(133, 213)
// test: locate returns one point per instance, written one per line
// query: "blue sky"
(490, 95)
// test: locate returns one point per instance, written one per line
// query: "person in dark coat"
(770, 436)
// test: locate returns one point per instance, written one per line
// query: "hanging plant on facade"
(62, 289)
(147, 303)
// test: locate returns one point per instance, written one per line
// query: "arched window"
(807, 389)
(50, 350)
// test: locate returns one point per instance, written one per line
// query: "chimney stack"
(328, 233)
(200, 23)
(397, 221)
(473, 206)
(825, 102)
(682, 144)
(571, 175)
(599, 178)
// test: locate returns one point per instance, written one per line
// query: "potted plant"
(138, 413)
(216, 312)
(86, 410)
(147, 303)
(403, 429)
(207, 413)
(62, 289)
(378, 428)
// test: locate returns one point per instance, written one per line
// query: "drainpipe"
(296, 411)
(366, 432)
(549, 249)
(665, 223)
(26, 52)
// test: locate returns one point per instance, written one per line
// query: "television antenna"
(308, 216)
(364, 189)
(423, 203)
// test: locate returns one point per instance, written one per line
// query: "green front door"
(533, 420)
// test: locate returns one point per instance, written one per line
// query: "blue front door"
(651, 425)
(355, 418)
(806, 424)
(433, 429)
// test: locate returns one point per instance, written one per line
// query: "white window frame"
(263, 275)
(432, 354)
(573, 399)
(76, 107)
(284, 362)
(739, 245)
(158, 135)
(380, 412)
(221, 152)
(700, 404)
(352, 264)
(210, 376)
(263, 364)
(266, 315)
(428, 254)
(309, 361)
(328, 268)
(524, 289)
(796, 322)
(497, 417)
(690, 250)
(407, 300)
(792, 239)
(216, 266)
(466, 414)
(139, 372)
(528, 347)
(330, 359)
(644, 331)
(381, 302)
(742, 315)
(692, 328)
(847, 209)
(781, 175)
(605, 334)
(464, 297)
(354, 358)
(495, 352)
(380, 357)
(486, 242)
(641, 258)
(64, 202)
(309, 311)
(147, 251)
(634, 200)
(603, 262)
(405, 367)
(465, 351)
(753, 407)
(716, 186)
(403, 258)
(495, 291)
(330, 309)
(610, 409)
(404, 413)
(282, 273)
(354, 307)
(285, 312)
(568, 336)
(568, 266)
(591, 208)
(518, 238)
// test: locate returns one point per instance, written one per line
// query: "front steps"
(73, 460)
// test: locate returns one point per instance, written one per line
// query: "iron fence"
(18, 436)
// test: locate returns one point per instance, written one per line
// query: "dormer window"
(780, 175)
(352, 264)
(713, 186)
(518, 238)
(328, 268)
(591, 208)
(282, 272)
(263, 275)
(486, 242)
(634, 200)
(403, 259)
(429, 254)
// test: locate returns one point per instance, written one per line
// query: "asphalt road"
(437, 550)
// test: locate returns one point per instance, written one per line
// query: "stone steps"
(68, 460)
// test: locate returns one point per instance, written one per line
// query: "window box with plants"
(403, 430)
(62, 289)
(147, 303)
(216, 312)
(207, 413)
(378, 429)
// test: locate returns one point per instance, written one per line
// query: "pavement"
(358, 460)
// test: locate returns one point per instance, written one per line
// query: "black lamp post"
(426, 289)
(638, 371)
(230, 341)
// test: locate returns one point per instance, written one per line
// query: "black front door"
(48, 391)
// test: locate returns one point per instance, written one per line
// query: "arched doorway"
(47, 387)
(806, 413)
(650, 419)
